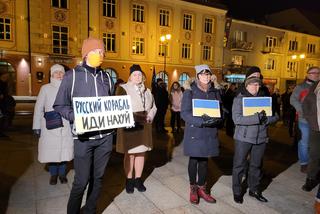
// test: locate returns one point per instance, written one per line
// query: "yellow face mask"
(94, 59)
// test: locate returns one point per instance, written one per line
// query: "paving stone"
(112, 209)
(23, 191)
(161, 173)
(188, 209)
(55, 205)
(45, 190)
(22, 208)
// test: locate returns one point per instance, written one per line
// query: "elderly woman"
(201, 135)
(55, 145)
(135, 141)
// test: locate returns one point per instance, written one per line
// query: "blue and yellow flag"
(252, 105)
(209, 107)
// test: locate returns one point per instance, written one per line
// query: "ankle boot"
(53, 179)
(310, 184)
(202, 192)
(139, 185)
(129, 185)
(194, 198)
(63, 179)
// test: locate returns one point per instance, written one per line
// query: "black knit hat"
(252, 80)
(253, 69)
(135, 67)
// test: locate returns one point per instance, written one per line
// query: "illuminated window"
(187, 21)
(60, 39)
(237, 60)
(186, 51)
(182, 78)
(311, 48)
(270, 64)
(208, 25)
(109, 40)
(163, 49)
(207, 53)
(309, 65)
(240, 36)
(164, 17)
(138, 13)
(292, 66)
(5, 29)
(113, 74)
(271, 41)
(109, 8)
(60, 3)
(293, 45)
(138, 46)
(163, 76)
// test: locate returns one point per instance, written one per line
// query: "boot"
(63, 179)
(194, 198)
(317, 207)
(53, 179)
(139, 185)
(129, 185)
(202, 192)
(310, 184)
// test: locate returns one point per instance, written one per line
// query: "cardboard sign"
(209, 107)
(252, 105)
(100, 113)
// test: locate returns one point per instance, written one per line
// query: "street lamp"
(164, 41)
(301, 57)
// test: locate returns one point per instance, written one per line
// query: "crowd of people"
(90, 151)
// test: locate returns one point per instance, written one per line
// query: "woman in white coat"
(55, 145)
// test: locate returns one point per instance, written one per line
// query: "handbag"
(140, 119)
(53, 120)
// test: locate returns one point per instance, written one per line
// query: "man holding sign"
(92, 146)
(251, 114)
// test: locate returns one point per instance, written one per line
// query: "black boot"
(310, 184)
(139, 185)
(129, 185)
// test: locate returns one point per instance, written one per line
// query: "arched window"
(182, 78)
(113, 74)
(163, 76)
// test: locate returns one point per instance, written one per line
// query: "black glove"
(210, 121)
(263, 117)
(37, 132)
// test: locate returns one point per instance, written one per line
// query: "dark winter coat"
(198, 141)
(309, 108)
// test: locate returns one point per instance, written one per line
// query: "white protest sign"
(100, 113)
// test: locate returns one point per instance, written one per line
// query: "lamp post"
(164, 41)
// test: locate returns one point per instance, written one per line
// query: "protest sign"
(252, 105)
(100, 113)
(209, 107)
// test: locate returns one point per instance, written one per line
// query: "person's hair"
(172, 88)
(313, 67)
(143, 78)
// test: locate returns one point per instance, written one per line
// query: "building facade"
(168, 36)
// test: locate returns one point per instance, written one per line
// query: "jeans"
(198, 167)
(175, 116)
(303, 143)
(58, 168)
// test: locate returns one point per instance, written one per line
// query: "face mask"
(94, 59)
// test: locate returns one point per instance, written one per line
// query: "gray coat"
(248, 128)
(198, 141)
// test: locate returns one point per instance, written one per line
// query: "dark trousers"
(90, 160)
(314, 155)
(242, 150)
(159, 119)
(229, 126)
(175, 116)
(198, 167)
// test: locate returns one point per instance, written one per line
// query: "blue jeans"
(303, 144)
(58, 168)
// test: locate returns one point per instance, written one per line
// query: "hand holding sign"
(210, 121)
(263, 117)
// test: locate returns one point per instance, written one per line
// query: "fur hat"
(91, 44)
(135, 67)
(253, 69)
(252, 80)
(201, 68)
(55, 68)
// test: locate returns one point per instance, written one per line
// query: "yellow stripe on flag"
(210, 112)
(247, 111)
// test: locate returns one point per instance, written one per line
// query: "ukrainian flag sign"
(209, 107)
(252, 105)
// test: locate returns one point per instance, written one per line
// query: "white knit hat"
(200, 68)
(55, 68)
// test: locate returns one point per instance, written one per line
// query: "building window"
(138, 13)
(113, 74)
(60, 39)
(60, 3)
(109, 8)
(187, 21)
(186, 51)
(182, 78)
(207, 53)
(292, 66)
(293, 45)
(163, 49)
(311, 48)
(237, 60)
(309, 65)
(271, 41)
(208, 25)
(138, 46)
(164, 17)
(240, 36)
(5, 29)
(109, 40)
(163, 76)
(270, 64)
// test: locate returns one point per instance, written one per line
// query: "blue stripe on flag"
(257, 102)
(205, 104)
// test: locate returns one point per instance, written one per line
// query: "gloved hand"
(37, 132)
(210, 121)
(263, 117)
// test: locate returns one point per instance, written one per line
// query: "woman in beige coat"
(135, 141)
(56, 145)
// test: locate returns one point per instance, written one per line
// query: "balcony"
(271, 50)
(241, 46)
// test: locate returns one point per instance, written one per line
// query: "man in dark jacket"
(161, 98)
(91, 149)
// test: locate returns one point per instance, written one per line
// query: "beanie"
(201, 68)
(253, 69)
(56, 68)
(135, 67)
(252, 80)
(91, 44)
